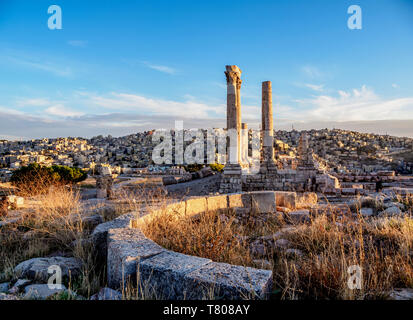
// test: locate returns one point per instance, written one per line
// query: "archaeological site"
(289, 218)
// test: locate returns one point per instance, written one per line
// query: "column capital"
(233, 74)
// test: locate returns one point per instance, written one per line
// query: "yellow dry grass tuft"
(329, 246)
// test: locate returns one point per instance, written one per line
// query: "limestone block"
(217, 202)
(239, 200)
(177, 208)
(165, 274)
(196, 206)
(126, 247)
(99, 235)
(229, 282)
(264, 201)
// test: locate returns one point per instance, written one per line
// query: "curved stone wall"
(133, 259)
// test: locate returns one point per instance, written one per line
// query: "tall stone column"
(233, 74)
(267, 160)
(231, 178)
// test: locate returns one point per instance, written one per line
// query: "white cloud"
(61, 111)
(315, 87)
(357, 104)
(395, 86)
(10, 111)
(123, 113)
(160, 68)
(33, 102)
(140, 104)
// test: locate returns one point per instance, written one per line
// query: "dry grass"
(206, 236)
(383, 251)
(382, 247)
(53, 227)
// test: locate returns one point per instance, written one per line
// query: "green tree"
(36, 179)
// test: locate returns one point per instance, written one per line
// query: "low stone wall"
(133, 259)
(263, 202)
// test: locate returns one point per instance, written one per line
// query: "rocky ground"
(27, 276)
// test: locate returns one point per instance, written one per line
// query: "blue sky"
(119, 67)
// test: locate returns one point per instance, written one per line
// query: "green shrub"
(36, 179)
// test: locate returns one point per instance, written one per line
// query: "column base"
(231, 181)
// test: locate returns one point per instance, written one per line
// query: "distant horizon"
(390, 128)
(116, 69)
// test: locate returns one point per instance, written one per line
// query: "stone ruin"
(237, 175)
(104, 182)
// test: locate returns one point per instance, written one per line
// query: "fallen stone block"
(126, 247)
(165, 274)
(229, 282)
